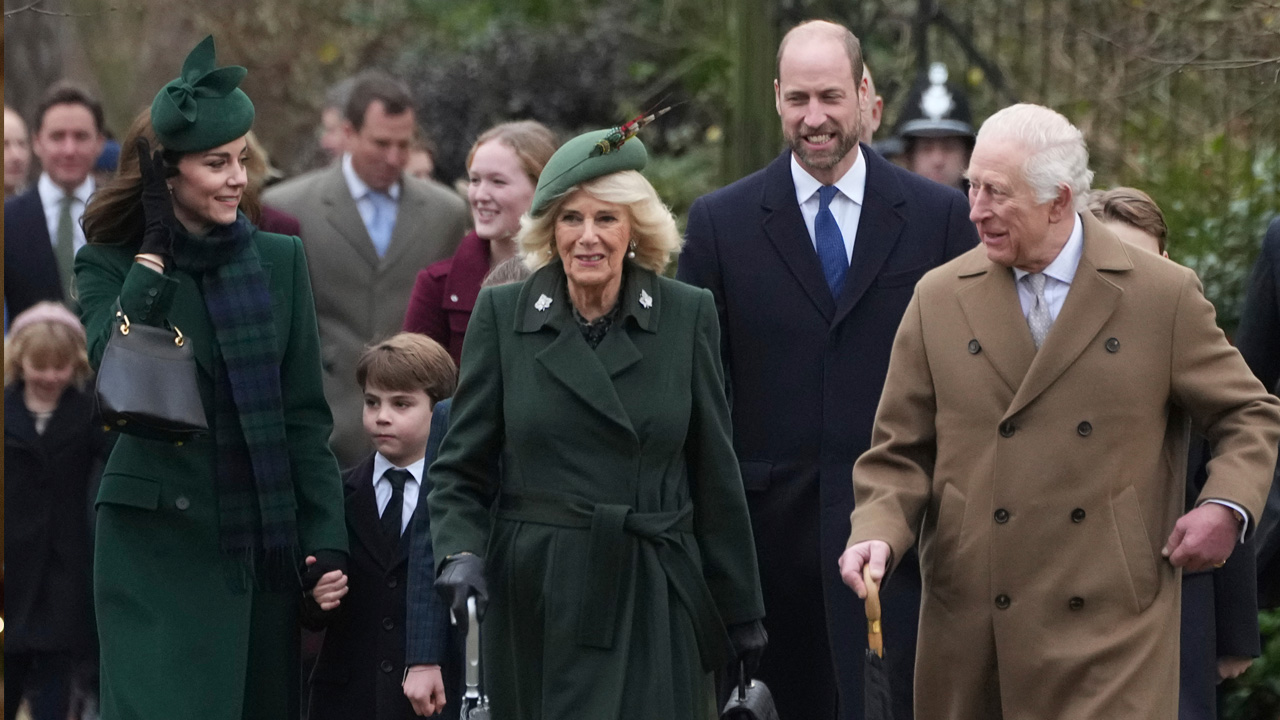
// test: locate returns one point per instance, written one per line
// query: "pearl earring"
(632, 254)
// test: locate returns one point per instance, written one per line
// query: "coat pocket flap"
(129, 490)
(755, 474)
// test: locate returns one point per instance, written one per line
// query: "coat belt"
(613, 528)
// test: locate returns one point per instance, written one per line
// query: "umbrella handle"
(875, 640)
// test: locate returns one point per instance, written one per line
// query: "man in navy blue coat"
(1259, 342)
(42, 225)
(811, 284)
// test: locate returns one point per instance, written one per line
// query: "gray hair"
(1056, 151)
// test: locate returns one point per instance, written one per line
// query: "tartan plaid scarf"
(257, 526)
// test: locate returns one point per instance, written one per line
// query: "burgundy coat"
(445, 293)
(278, 221)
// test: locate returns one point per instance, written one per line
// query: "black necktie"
(395, 507)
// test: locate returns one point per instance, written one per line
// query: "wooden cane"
(875, 640)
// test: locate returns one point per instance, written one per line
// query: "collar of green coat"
(641, 299)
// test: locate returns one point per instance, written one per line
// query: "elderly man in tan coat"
(1032, 438)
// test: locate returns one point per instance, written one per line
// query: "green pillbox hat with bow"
(585, 158)
(204, 107)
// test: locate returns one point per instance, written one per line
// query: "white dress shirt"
(846, 206)
(412, 486)
(1058, 278)
(51, 198)
(360, 192)
(1058, 275)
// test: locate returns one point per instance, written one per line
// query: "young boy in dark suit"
(362, 661)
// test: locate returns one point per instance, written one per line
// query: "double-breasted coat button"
(1076, 603)
(1006, 429)
(1002, 602)
(1084, 428)
(1077, 515)
(392, 582)
(1112, 345)
(1002, 516)
(975, 347)
(386, 666)
(453, 298)
(182, 503)
(388, 623)
(153, 292)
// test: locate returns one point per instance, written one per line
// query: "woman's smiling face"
(499, 190)
(591, 238)
(209, 185)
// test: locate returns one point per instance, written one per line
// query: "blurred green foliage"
(1217, 214)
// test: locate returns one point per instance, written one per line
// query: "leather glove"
(460, 578)
(157, 203)
(748, 640)
(326, 560)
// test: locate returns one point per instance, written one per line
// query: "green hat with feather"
(592, 155)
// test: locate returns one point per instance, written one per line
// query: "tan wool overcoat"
(1041, 486)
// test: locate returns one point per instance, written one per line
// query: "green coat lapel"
(544, 307)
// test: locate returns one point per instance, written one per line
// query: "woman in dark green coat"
(611, 541)
(200, 546)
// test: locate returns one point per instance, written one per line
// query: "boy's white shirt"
(382, 487)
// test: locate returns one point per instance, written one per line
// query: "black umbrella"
(878, 705)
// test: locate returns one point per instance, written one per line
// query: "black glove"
(748, 640)
(326, 560)
(157, 203)
(460, 578)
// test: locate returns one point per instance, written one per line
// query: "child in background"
(53, 448)
(362, 662)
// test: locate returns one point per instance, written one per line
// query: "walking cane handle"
(875, 640)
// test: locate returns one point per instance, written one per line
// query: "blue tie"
(382, 222)
(835, 264)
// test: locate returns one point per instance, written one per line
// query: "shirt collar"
(359, 189)
(1063, 268)
(853, 184)
(381, 465)
(51, 193)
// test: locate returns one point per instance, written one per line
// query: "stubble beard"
(845, 142)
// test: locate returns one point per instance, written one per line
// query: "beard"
(826, 159)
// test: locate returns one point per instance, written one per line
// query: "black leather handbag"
(146, 383)
(751, 700)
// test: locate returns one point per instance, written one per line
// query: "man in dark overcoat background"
(1259, 342)
(812, 261)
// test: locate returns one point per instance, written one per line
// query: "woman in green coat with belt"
(200, 549)
(611, 542)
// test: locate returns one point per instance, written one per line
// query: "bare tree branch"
(33, 7)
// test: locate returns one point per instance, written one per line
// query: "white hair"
(1056, 152)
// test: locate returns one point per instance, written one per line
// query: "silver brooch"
(543, 303)
(646, 301)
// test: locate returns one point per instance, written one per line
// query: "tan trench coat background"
(1044, 485)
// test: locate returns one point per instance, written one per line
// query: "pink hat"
(46, 312)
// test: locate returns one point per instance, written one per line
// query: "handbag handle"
(875, 640)
(179, 339)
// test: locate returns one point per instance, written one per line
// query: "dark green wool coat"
(177, 641)
(619, 545)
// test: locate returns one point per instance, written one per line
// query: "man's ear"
(1061, 207)
(777, 97)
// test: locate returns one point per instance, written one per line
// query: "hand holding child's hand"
(330, 589)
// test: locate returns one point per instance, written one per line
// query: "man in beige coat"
(1045, 485)
(367, 228)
